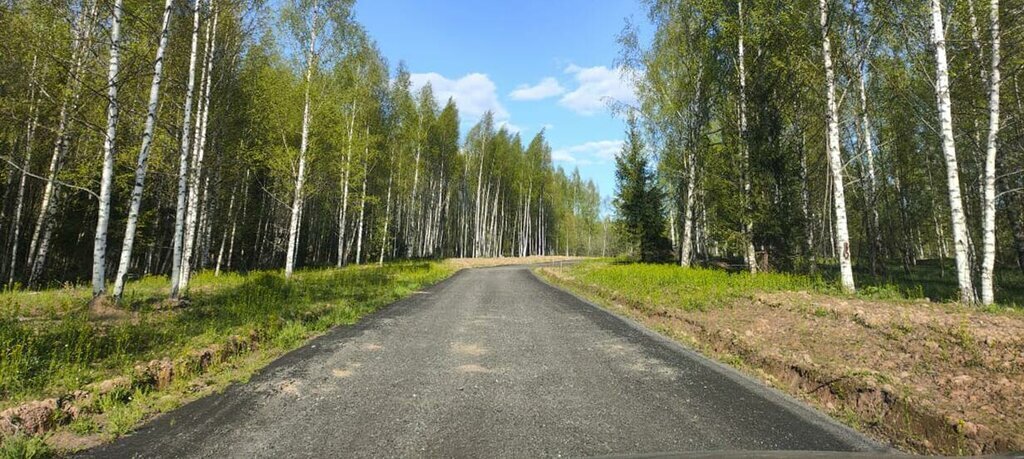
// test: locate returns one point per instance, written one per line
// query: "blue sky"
(535, 63)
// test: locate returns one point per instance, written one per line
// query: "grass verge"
(54, 346)
(925, 377)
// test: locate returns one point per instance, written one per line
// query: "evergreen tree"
(638, 200)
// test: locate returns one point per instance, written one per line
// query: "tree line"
(144, 138)
(787, 133)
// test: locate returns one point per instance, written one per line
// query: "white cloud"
(594, 152)
(548, 87)
(597, 87)
(474, 93)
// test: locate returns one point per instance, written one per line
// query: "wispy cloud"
(474, 93)
(597, 87)
(594, 152)
(548, 87)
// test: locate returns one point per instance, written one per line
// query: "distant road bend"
(492, 362)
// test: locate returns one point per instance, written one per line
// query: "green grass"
(51, 346)
(25, 447)
(708, 288)
(689, 289)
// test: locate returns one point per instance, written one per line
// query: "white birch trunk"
(686, 238)
(362, 208)
(186, 136)
(143, 162)
(989, 224)
(99, 251)
(343, 212)
(749, 254)
(956, 206)
(387, 219)
(479, 183)
(294, 225)
(26, 164)
(835, 159)
(224, 237)
(192, 215)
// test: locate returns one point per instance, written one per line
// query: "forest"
(876, 135)
(166, 138)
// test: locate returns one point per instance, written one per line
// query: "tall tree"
(945, 113)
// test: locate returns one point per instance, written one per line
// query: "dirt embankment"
(928, 378)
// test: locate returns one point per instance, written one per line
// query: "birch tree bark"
(874, 234)
(945, 112)
(194, 207)
(835, 158)
(387, 219)
(989, 224)
(26, 163)
(343, 212)
(749, 254)
(99, 252)
(143, 162)
(293, 226)
(186, 135)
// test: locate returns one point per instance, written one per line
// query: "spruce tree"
(638, 199)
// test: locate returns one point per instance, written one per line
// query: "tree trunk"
(26, 164)
(686, 238)
(362, 207)
(99, 252)
(874, 232)
(835, 158)
(295, 224)
(143, 162)
(343, 212)
(989, 224)
(956, 206)
(387, 219)
(749, 254)
(186, 136)
(198, 152)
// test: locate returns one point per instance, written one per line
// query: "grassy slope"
(928, 377)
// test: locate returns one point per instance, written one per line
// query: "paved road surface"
(492, 362)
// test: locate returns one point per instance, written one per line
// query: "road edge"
(798, 408)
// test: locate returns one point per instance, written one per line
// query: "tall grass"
(50, 345)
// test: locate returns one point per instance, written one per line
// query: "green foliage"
(25, 447)
(638, 200)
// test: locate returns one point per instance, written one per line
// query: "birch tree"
(99, 257)
(835, 156)
(313, 27)
(945, 114)
(142, 165)
(183, 169)
(989, 201)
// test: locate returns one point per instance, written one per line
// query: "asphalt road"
(492, 362)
